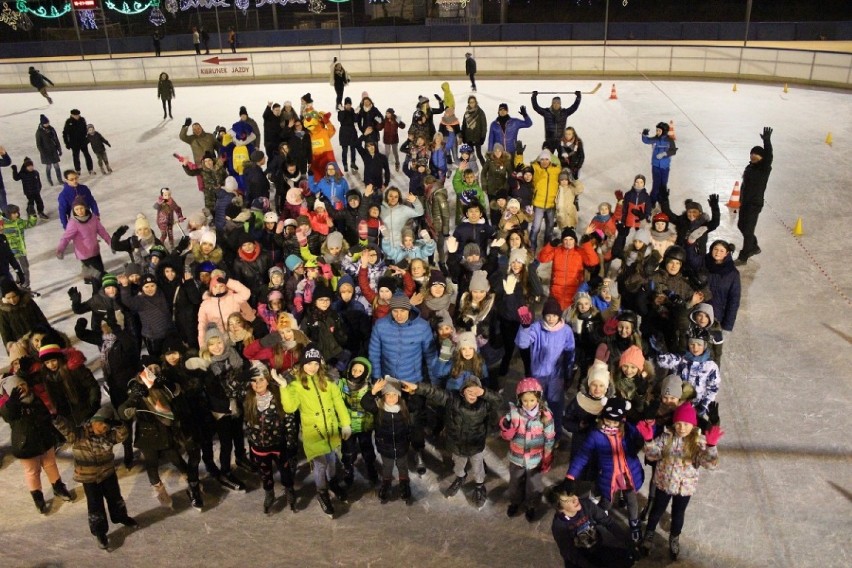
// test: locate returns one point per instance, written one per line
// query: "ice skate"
(290, 496)
(129, 522)
(195, 499)
(384, 491)
(419, 465)
(338, 490)
(529, 514)
(325, 503)
(455, 486)
(674, 547)
(512, 510)
(103, 541)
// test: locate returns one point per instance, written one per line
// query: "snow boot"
(384, 491)
(103, 541)
(290, 495)
(195, 499)
(325, 503)
(455, 486)
(479, 497)
(372, 474)
(419, 465)
(338, 490)
(129, 522)
(268, 501)
(162, 495)
(647, 543)
(674, 546)
(635, 531)
(59, 490)
(405, 491)
(512, 510)
(529, 514)
(38, 499)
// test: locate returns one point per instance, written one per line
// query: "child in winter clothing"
(83, 230)
(324, 327)
(663, 148)
(465, 362)
(512, 218)
(393, 434)
(31, 181)
(450, 128)
(347, 135)
(354, 386)
(680, 450)
(702, 318)
(615, 444)
(468, 414)
(272, 435)
(325, 422)
(465, 184)
(566, 199)
(99, 144)
(410, 249)
(13, 228)
(586, 322)
(93, 467)
(662, 232)
(438, 161)
(697, 368)
(582, 413)
(637, 205)
(528, 427)
(391, 126)
(168, 211)
(693, 227)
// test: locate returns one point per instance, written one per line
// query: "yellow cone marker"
(828, 139)
(735, 88)
(797, 230)
(786, 90)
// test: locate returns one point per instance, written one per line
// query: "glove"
(446, 352)
(136, 389)
(525, 316)
(523, 110)
(346, 432)
(535, 94)
(619, 195)
(338, 206)
(183, 243)
(613, 289)
(646, 132)
(713, 200)
(664, 194)
(661, 155)
(327, 272)
(547, 462)
(452, 245)
(497, 243)
(713, 413)
(187, 122)
(767, 133)
(424, 234)
(363, 230)
(519, 147)
(646, 428)
(714, 435)
(271, 340)
(301, 238)
(578, 94)
(224, 279)
(555, 242)
(437, 97)
(121, 230)
(14, 400)
(80, 326)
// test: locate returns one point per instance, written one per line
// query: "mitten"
(346, 432)
(437, 97)
(187, 122)
(525, 316)
(452, 245)
(619, 195)
(714, 435)
(523, 110)
(327, 271)
(271, 340)
(713, 413)
(713, 200)
(424, 234)
(183, 243)
(646, 429)
(660, 155)
(519, 148)
(767, 133)
(646, 132)
(13, 403)
(446, 352)
(80, 327)
(555, 242)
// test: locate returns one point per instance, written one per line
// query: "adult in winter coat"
(153, 309)
(83, 230)
(369, 120)
(663, 148)
(40, 83)
(71, 190)
(376, 167)
(254, 178)
(723, 279)
(165, 92)
(200, 142)
(49, 148)
(470, 70)
(755, 178)
(587, 535)
(271, 128)
(504, 130)
(347, 133)
(396, 214)
(18, 313)
(338, 79)
(224, 297)
(569, 262)
(474, 127)
(693, 227)
(555, 117)
(188, 301)
(72, 387)
(333, 186)
(74, 136)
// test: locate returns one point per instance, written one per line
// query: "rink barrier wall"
(821, 68)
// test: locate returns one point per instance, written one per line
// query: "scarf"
(601, 218)
(107, 342)
(698, 358)
(438, 304)
(392, 408)
(473, 266)
(532, 413)
(559, 325)
(502, 121)
(83, 218)
(471, 117)
(264, 401)
(230, 356)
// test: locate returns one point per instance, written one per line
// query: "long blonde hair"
(322, 377)
(691, 446)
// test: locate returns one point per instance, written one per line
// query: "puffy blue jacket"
(496, 135)
(551, 352)
(332, 188)
(724, 283)
(662, 145)
(598, 446)
(67, 197)
(399, 350)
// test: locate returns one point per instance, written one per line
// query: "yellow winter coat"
(323, 414)
(545, 185)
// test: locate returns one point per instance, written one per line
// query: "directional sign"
(224, 66)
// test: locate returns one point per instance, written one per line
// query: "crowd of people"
(309, 313)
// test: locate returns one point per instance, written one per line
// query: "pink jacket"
(84, 236)
(216, 310)
(530, 439)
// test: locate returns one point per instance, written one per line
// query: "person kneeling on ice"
(528, 427)
(94, 468)
(393, 434)
(468, 413)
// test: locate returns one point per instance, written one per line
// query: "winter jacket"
(755, 178)
(545, 185)
(326, 329)
(390, 130)
(591, 524)
(400, 350)
(635, 208)
(392, 429)
(479, 233)
(369, 118)
(555, 120)
(274, 430)
(460, 186)
(97, 142)
(156, 426)
(199, 144)
(474, 131)
(271, 128)
(20, 319)
(362, 421)
(421, 249)
(674, 475)
(255, 182)
(30, 181)
(724, 283)
(165, 89)
(333, 188)
(437, 210)
(551, 352)
(530, 439)
(566, 211)
(37, 80)
(701, 372)
(153, 312)
(323, 414)
(376, 167)
(692, 235)
(93, 457)
(84, 235)
(74, 133)
(66, 200)
(49, 148)
(466, 425)
(32, 433)
(508, 137)
(81, 385)
(102, 307)
(661, 145)
(568, 269)
(347, 135)
(615, 453)
(14, 232)
(217, 309)
(212, 179)
(396, 217)
(495, 174)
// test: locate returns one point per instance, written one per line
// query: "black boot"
(194, 492)
(348, 475)
(372, 474)
(384, 491)
(479, 495)
(512, 510)
(674, 546)
(455, 486)
(230, 481)
(338, 490)
(268, 500)
(325, 503)
(290, 494)
(647, 543)
(529, 514)
(635, 531)
(62, 492)
(405, 491)
(103, 541)
(38, 499)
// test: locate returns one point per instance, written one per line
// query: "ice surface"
(780, 497)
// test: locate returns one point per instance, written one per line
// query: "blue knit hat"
(292, 262)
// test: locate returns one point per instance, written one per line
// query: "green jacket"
(460, 187)
(362, 421)
(323, 414)
(14, 231)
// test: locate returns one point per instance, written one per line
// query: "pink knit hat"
(685, 413)
(632, 355)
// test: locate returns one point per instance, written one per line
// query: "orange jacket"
(568, 269)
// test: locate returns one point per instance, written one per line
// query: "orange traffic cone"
(735, 88)
(734, 201)
(797, 230)
(672, 130)
(613, 96)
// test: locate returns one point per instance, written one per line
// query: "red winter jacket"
(568, 269)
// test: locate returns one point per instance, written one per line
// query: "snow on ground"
(780, 497)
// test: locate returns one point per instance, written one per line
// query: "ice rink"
(781, 495)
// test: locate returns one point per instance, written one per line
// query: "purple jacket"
(85, 237)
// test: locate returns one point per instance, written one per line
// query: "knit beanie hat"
(322, 291)
(638, 176)
(633, 356)
(642, 235)
(471, 381)
(672, 386)
(685, 413)
(212, 332)
(400, 301)
(444, 319)
(43, 120)
(8, 286)
(599, 373)
(582, 296)
(292, 262)
(471, 249)
(132, 269)
(334, 240)
(704, 308)
(503, 106)
(386, 282)
(551, 307)
(206, 266)
(50, 350)
(109, 280)
(310, 354)
(466, 339)
(616, 409)
(569, 232)
(141, 222)
(518, 255)
(545, 155)
(690, 204)
(231, 184)
(479, 281)
(208, 236)
(392, 386)
(274, 270)
(565, 174)
(437, 277)
(104, 414)
(197, 219)
(270, 217)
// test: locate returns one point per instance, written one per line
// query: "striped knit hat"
(50, 351)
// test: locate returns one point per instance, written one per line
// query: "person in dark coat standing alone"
(165, 92)
(75, 137)
(755, 178)
(39, 83)
(470, 70)
(49, 148)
